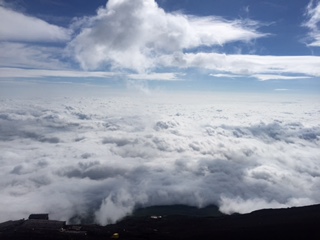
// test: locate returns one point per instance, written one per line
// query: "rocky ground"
(290, 223)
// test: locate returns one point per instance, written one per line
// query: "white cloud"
(41, 73)
(21, 55)
(281, 89)
(133, 34)
(225, 75)
(246, 65)
(104, 156)
(244, 206)
(155, 76)
(313, 22)
(267, 77)
(15, 26)
(261, 77)
(45, 73)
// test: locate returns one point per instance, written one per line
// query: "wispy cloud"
(22, 55)
(15, 26)
(247, 65)
(156, 76)
(281, 89)
(266, 77)
(44, 73)
(313, 22)
(225, 75)
(261, 77)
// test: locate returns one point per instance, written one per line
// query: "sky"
(110, 106)
(232, 45)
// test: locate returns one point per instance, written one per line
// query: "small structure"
(42, 216)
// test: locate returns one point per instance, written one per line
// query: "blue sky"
(230, 45)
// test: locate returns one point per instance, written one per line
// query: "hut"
(41, 216)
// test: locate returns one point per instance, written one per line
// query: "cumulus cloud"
(313, 22)
(133, 34)
(100, 158)
(16, 26)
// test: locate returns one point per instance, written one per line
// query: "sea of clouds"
(102, 157)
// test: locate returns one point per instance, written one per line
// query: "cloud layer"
(248, 65)
(102, 157)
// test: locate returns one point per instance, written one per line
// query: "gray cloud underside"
(103, 157)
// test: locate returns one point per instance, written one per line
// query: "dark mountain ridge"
(183, 222)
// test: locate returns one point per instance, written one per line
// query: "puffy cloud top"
(133, 34)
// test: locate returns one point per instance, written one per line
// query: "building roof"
(43, 216)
